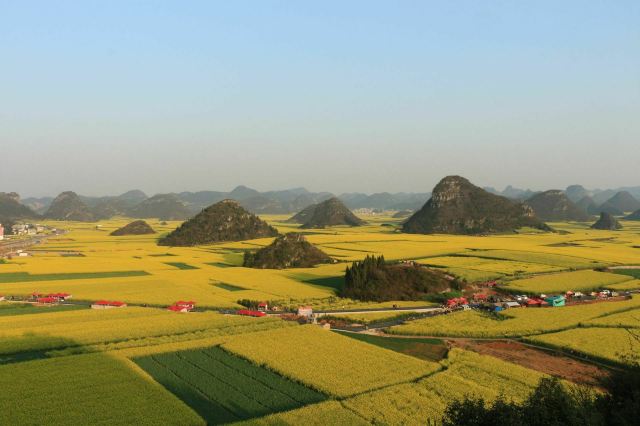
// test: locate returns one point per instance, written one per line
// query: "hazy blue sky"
(105, 96)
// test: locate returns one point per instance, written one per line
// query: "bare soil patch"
(556, 365)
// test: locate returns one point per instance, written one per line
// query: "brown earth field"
(556, 365)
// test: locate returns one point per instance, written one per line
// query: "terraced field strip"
(19, 277)
(224, 388)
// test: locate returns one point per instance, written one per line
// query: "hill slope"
(303, 215)
(459, 207)
(634, 216)
(624, 202)
(69, 206)
(163, 207)
(331, 212)
(137, 227)
(606, 207)
(555, 206)
(223, 221)
(606, 222)
(291, 250)
(586, 204)
(10, 207)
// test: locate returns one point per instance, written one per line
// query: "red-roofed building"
(263, 306)
(47, 300)
(176, 308)
(60, 296)
(105, 304)
(186, 304)
(250, 313)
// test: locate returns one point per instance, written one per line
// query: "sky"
(102, 97)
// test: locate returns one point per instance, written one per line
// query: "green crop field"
(223, 388)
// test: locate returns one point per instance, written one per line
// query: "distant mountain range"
(181, 206)
(268, 202)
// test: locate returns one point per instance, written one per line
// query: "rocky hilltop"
(331, 212)
(163, 207)
(223, 221)
(69, 206)
(137, 227)
(624, 202)
(291, 250)
(554, 205)
(459, 207)
(606, 222)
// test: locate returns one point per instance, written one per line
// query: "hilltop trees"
(373, 279)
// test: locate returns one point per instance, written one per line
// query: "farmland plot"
(468, 374)
(326, 361)
(611, 344)
(513, 322)
(115, 328)
(560, 283)
(223, 388)
(86, 389)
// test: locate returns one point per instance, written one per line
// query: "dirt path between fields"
(556, 365)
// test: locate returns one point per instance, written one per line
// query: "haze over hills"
(624, 201)
(225, 220)
(179, 206)
(554, 205)
(162, 206)
(459, 207)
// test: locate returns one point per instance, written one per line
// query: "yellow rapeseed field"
(327, 361)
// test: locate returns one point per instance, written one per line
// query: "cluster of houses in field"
(497, 302)
(51, 298)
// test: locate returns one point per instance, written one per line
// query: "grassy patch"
(427, 349)
(635, 273)
(229, 287)
(224, 388)
(28, 308)
(331, 282)
(181, 265)
(19, 277)
(162, 255)
(220, 265)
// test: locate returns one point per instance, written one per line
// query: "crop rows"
(327, 361)
(82, 390)
(618, 345)
(469, 374)
(223, 388)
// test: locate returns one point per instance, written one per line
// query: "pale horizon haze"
(356, 96)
